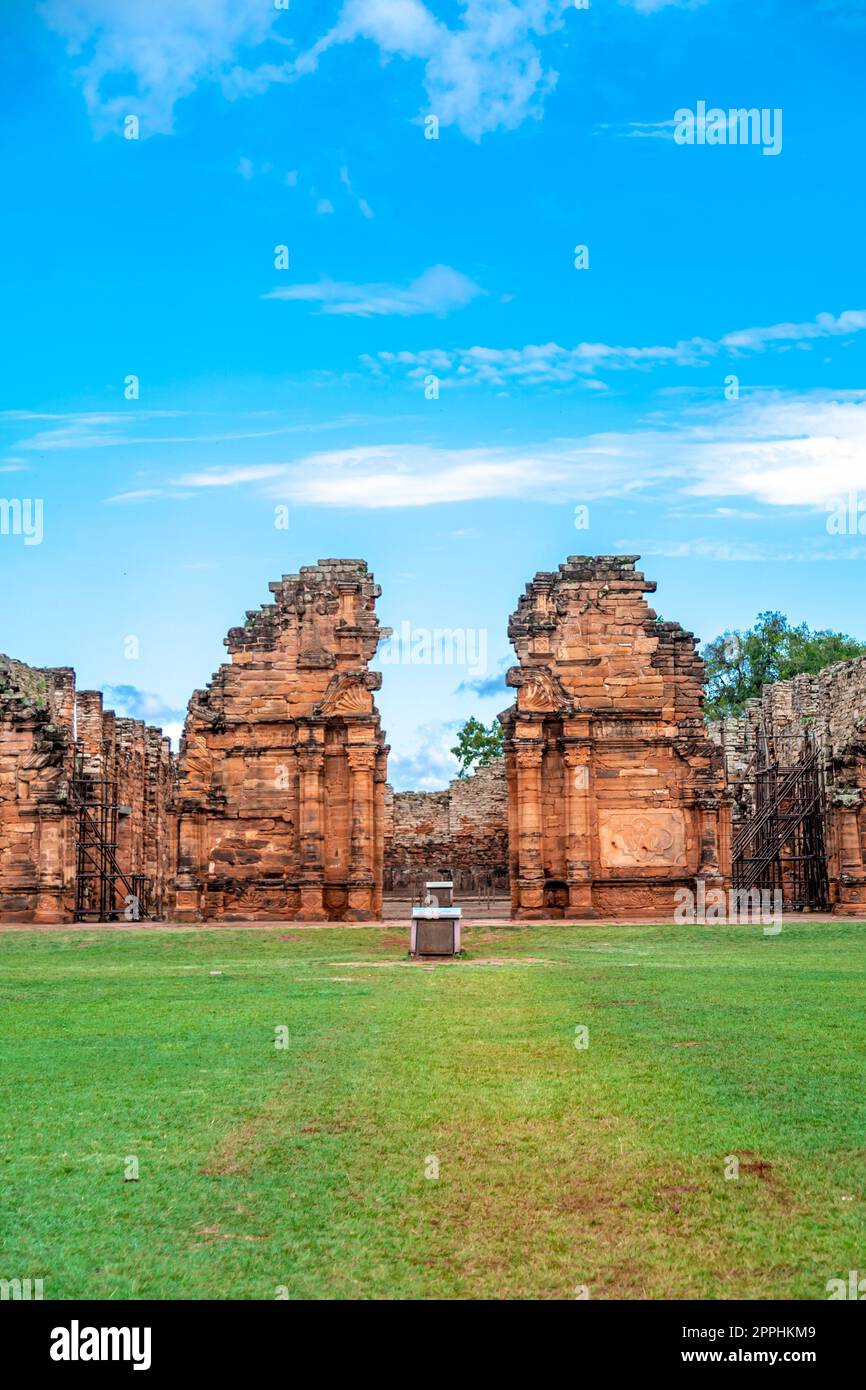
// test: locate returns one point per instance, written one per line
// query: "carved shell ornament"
(535, 695)
(347, 695)
(537, 691)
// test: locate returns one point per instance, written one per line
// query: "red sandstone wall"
(615, 792)
(44, 724)
(35, 763)
(282, 764)
(463, 829)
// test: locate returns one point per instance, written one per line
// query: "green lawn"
(304, 1167)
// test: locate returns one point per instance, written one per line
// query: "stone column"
(379, 781)
(49, 906)
(362, 766)
(312, 837)
(88, 730)
(852, 880)
(191, 866)
(530, 873)
(578, 848)
(707, 817)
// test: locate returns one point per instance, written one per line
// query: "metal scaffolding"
(780, 844)
(103, 891)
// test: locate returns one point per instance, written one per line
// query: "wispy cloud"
(361, 203)
(737, 552)
(485, 72)
(487, 686)
(776, 450)
(487, 69)
(121, 429)
(551, 364)
(439, 290)
(143, 56)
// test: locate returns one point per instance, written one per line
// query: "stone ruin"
(613, 793)
(829, 709)
(54, 742)
(463, 830)
(282, 762)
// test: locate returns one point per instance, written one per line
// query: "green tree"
(477, 745)
(740, 664)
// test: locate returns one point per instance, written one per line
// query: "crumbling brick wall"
(463, 830)
(829, 708)
(52, 739)
(283, 762)
(36, 737)
(615, 792)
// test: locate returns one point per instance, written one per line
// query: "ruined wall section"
(463, 829)
(282, 763)
(615, 791)
(831, 708)
(53, 739)
(36, 736)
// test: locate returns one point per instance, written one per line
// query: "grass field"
(303, 1167)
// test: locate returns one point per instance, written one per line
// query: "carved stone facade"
(615, 793)
(283, 761)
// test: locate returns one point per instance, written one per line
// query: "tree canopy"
(740, 664)
(477, 745)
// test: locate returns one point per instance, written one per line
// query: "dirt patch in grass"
(762, 1167)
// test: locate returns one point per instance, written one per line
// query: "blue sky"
(411, 259)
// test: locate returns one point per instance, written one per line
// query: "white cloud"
(230, 477)
(131, 703)
(89, 430)
(160, 49)
(737, 552)
(825, 326)
(778, 451)
(786, 452)
(437, 291)
(485, 73)
(430, 764)
(550, 364)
